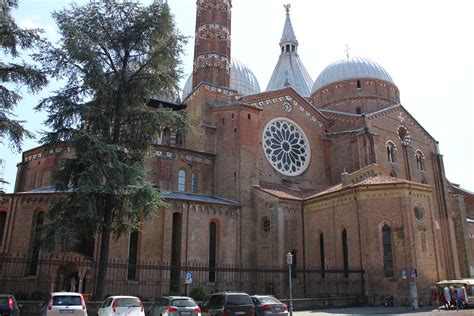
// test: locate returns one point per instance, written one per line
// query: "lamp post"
(289, 262)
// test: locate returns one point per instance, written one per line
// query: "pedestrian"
(442, 300)
(459, 298)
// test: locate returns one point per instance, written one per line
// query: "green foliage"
(198, 294)
(114, 56)
(12, 39)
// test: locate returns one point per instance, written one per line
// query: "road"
(382, 311)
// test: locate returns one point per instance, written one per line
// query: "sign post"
(188, 279)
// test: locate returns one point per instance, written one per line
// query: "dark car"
(175, 306)
(8, 305)
(228, 304)
(267, 305)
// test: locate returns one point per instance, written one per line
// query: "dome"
(242, 80)
(351, 68)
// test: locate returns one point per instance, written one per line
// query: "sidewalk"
(382, 311)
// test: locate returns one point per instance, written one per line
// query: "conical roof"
(289, 70)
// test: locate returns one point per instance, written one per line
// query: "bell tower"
(212, 44)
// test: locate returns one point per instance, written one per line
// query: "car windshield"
(183, 303)
(239, 300)
(127, 302)
(269, 300)
(63, 300)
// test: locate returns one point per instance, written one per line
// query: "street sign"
(413, 273)
(188, 278)
(404, 275)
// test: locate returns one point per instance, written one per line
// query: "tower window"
(359, 110)
(249, 116)
(133, 256)
(321, 255)
(387, 250)
(181, 180)
(3, 221)
(194, 182)
(345, 253)
(358, 84)
(288, 48)
(212, 251)
(420, 160)
(391, 152)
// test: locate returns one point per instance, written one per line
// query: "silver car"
(175, 306)
(267, 305)
(64, 304)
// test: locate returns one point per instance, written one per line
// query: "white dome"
(242, 80)
(351, 68)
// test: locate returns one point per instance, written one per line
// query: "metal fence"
(34, 278)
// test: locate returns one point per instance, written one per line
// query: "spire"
(289, 70)
(288, 35)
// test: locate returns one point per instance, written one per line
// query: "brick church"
(335, 171)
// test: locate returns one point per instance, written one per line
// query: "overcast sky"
(425, 45)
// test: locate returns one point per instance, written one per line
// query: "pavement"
(383, 311)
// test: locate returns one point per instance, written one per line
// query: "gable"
(394, 117)
(290, 103)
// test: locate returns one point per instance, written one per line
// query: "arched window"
(321, 255)
(345, 253)
(387, 251)
(181, 180)
(420, 160)
(36, 239)
(3, 222)
(212, 251)
(391, 151)
(195, 182)
(133, 256)
(358, 110)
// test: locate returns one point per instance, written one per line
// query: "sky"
(425, 45)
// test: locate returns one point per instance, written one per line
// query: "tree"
(114, 55)
(12, 39)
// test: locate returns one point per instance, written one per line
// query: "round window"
(404, 135)
(286, 147)
(419, 213)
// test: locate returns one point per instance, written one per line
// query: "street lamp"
(289, 262)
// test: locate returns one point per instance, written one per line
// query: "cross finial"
(287, 8)
(347, 51)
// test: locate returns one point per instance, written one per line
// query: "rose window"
(286, 147)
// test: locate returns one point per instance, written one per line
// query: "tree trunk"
(104, 252)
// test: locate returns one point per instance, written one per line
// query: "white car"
(64, 304)
(121, 306)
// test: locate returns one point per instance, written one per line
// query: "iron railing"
(34, 278)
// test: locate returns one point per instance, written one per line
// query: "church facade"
(335, 171)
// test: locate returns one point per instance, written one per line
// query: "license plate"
(239, 313)
(185, 313)
(66, 311)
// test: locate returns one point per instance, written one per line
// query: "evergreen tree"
(114, 55)
(13, 39)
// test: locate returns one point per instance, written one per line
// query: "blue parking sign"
(188, 278)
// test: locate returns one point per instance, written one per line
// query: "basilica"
(336, 172)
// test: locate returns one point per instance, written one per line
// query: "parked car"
(64, 303)
(266, 305)
(121, 305)
(8, 305)
(175, 306)
(228, 304)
